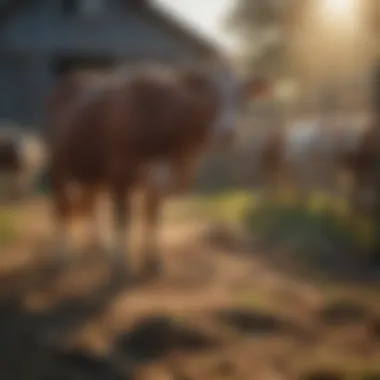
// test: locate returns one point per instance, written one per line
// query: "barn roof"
(162, 19)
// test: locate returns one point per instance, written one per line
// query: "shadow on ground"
(41, 307)
(31, 341)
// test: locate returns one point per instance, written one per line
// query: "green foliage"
(320, 227)
(254, 14)
(264, 27)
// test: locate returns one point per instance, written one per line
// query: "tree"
(265, 30)
(292, 39)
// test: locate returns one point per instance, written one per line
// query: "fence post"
(376, 166)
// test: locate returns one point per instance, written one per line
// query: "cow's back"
(128, 120)
(155, 115)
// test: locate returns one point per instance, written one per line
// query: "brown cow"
(148, 124)
(357, 158)
(273, 159)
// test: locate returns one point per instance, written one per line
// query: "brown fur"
(360, 165)
(10, 161)
(274, 151)
(110, 134)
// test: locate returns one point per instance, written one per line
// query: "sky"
(206, 16)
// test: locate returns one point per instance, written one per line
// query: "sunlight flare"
(339, 7)
(340, 12)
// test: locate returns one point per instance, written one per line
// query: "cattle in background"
(296, 153)
(314, 152)
(355, 156)
(310, 152)
(147, 125)
(266, 156)
(22, 158)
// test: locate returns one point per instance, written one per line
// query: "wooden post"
(376, 166)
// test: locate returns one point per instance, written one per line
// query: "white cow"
(310, 148)
(30, 152)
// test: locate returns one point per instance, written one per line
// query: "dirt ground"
(220, 311)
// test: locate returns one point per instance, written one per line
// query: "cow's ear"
(253, 88)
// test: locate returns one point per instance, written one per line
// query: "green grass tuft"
(318, 228)
(9, 232)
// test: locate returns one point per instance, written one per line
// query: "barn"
(41, 39)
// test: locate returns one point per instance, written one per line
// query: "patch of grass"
(229, 206)
(319, 225)
(9, 232)
(226, 206)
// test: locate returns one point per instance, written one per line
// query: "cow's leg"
(121, 195)
(165, 179)
(62, 213)
(152, 207)
(184, 170)
(270, 182)
(159, 185)
(89, 209)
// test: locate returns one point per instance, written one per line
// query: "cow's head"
(221, 95)
(233, 93)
